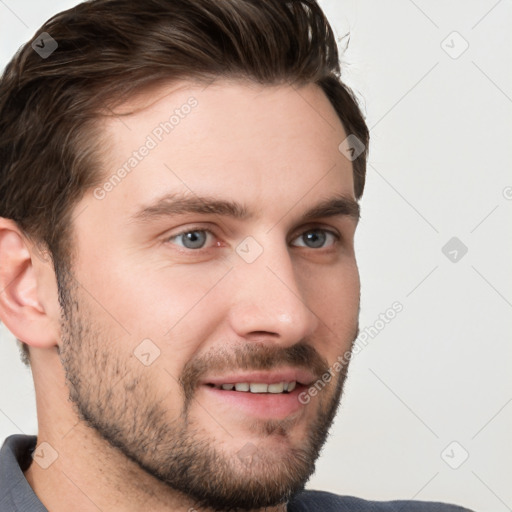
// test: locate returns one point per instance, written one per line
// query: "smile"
(257, 387)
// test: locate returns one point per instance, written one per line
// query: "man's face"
(167, 305)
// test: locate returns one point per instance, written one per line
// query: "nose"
(267, 302)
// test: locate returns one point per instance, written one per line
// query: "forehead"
(241, 139)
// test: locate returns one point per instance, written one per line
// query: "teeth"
(259, 387)
(277, 388)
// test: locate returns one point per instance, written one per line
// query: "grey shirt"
(16, 495)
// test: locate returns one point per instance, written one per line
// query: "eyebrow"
(178, 204)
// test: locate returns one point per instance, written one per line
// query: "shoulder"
(313, 501)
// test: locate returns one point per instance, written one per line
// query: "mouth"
(266, 395)
(257, 387)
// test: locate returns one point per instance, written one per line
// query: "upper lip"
(299, 375)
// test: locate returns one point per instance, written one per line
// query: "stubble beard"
(118, 401)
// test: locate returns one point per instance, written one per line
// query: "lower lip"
(262, 405)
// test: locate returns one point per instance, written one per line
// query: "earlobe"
(21, 278)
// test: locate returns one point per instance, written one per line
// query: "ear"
(28, 291)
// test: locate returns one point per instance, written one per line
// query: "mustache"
(254, 356)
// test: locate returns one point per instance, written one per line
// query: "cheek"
(154, 298)
(336, 289)
(333, 294)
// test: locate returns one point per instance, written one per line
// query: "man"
(180, 183)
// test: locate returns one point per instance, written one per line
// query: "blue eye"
(315, 238)
(194, 239)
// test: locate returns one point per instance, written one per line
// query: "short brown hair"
(110, 49)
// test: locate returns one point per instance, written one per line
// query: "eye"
(316, 238)
(192, 239)
(196, 239)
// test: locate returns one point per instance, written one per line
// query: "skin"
(274, 149)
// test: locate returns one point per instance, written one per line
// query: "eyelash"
(168, 239)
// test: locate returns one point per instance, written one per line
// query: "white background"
(439, 168)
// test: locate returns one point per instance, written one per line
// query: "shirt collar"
(16, 495)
